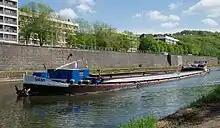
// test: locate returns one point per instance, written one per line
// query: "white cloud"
(169, 24)
(173, 6)
(88, 2)
(173, 17)
(137, 15)
(67, 13)
(210, 7)
(84, 6)
(156, 15)
(210, 22)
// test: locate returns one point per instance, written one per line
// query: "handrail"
(69, 64)
(138, 68)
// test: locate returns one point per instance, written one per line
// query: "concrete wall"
(22, 57)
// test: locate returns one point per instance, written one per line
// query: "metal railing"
(10, 39)
(135, 69)
(94, 47)
(11, 30)
(11, 5)
(10, 22)
(11, 14)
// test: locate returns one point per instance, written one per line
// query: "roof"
(165, 37)
(51, 19)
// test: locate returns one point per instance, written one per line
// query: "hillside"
(203, 43)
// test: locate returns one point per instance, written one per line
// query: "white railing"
(69, 64)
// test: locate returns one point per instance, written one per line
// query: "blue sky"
(142, 16)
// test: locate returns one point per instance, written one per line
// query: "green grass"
(18, 71)
(147, 122)
(212, 96)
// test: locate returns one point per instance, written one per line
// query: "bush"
(214, 95)
(148, 122)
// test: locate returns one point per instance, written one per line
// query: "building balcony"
(11, 5)
(10, 22)
(11, 14)
(10, 30)
(10, 39)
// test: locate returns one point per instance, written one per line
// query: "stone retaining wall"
(23, 57)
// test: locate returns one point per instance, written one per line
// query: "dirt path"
(205, 116)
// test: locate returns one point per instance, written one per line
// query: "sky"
(142, 16)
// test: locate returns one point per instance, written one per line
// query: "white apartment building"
(62, 25)
(167, 39)
(8, 21)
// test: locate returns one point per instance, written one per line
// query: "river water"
(107, 110)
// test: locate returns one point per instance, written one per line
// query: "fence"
(96, 48)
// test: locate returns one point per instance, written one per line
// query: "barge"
(79, 81)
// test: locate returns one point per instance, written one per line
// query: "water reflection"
(103, 110)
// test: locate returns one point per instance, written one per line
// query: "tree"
(84, 26)
(71, 40)
(146, 43)
(155, 47)
(170, 49)
(39, 22)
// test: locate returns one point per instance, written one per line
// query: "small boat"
(79, 81)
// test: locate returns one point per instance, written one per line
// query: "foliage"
(202, 43)
(212, 96)
(148, 122)
(38, 22)
(101, 35)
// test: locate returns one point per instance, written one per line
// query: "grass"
(213, 96)
(147, 122)
(18, 71)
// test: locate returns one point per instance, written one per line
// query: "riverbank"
(203, 113)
